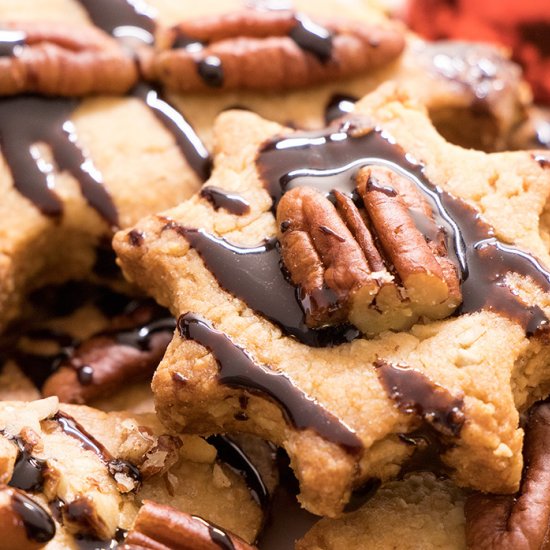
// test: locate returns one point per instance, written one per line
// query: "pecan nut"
(381, 265)
(267, 50)
(517, 522)
(57, 59)
(160, 527)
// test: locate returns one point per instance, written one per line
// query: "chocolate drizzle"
(25, 121)
(28, 472)
(414, 393)
(255, 275)
(312, 38)
(121, 18)
(211, 71)
(329, 159)
(339, 106)
(237, 369)
(221, 198)
(217, 535)
(186, 138)
(115, 466)
(11, 41)
(230, 454)
(38, 524)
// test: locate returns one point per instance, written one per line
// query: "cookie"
(419, 512)
(316, 391)
(91, 471)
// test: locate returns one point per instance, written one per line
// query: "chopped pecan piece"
(159, 527)
(59, 59)
(517, 522)
(267, 50)
(25, 524)
(381, 267)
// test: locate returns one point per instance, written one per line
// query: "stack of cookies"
(273, 275)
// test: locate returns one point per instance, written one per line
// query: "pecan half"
(517, 522)
(267, 50)
(25, 524)
(129, 352)
(159, 527)
(58, 59)
(381, 264)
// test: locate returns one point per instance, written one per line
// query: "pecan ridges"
(381, 265)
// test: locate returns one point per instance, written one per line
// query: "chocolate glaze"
(339, 106)
(217, 535)
(249, 272)
(186, 138)
(221, 198)
(211, 71)
(39, 525)
(414, 393)
(88, 442)
(121, 17)
(312, 38)
(27, 120)
(330, 158)
(237, 369)
(11, 41)
(230, 454)
(28, 472)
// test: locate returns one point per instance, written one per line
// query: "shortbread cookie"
(451, 388)
(93, 470)
(419, 513)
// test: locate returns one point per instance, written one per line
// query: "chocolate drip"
(330, 158)
(248, 272)
(230, 454)
(10, 42)
(39, 525)
(217, 535)
(312, 38)
(237, 369)
(186, 138)
(28, 472)
(88, 442)
(25, 121)
(121, 18)
(414, 393)
(140, 338)
(339, 106)
(221, 198)
(210, 70)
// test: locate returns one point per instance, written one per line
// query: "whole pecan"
(69, 60)
(379, 261)
(267, 50)
(517, 522)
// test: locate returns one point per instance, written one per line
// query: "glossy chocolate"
(38, 524)
(247, 272)
(186, 138)
(311, 37)
(11, 41)
(121, 18)
(28, 472)
(28, 120)
(211, 71)
(414, 393)
(217, 535)
(339, 106)
(221, 198)
(329, 159)
(230, 454)
(237, 369)
(88, 442)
